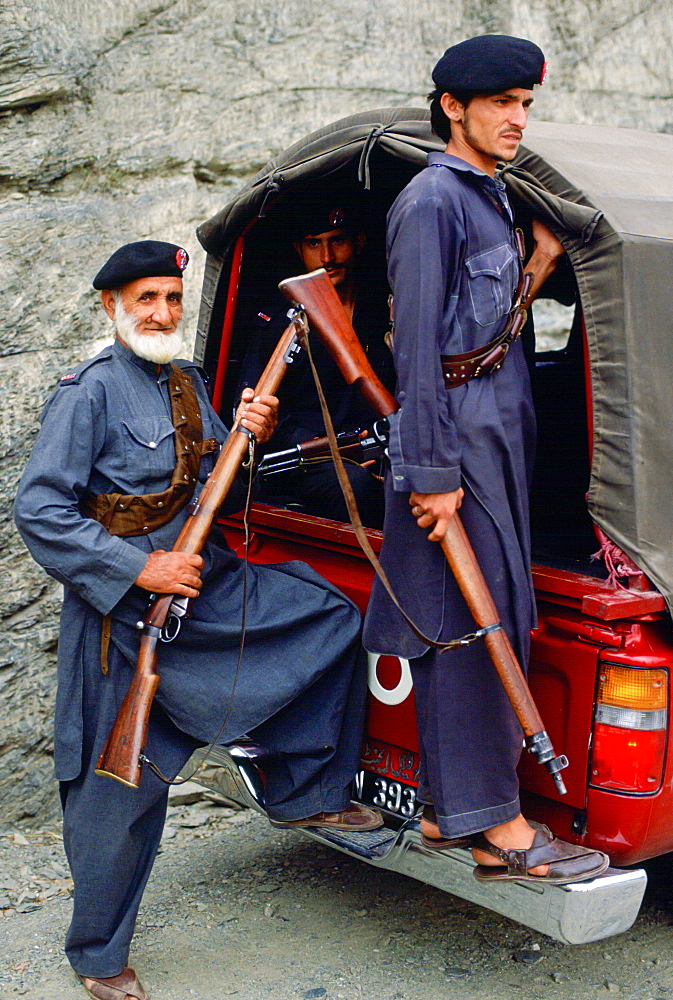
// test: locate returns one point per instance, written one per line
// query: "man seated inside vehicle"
(326, 232)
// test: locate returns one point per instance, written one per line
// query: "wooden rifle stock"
(322, 305)
(122, 755)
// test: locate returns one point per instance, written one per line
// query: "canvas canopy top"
(607, 193)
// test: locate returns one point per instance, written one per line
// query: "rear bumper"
(572, 914)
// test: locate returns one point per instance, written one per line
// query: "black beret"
(147, 259)
(490, 64)
(321, 209)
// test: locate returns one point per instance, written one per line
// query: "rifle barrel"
(322, 305)
(121, 756)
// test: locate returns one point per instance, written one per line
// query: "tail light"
(630, 729)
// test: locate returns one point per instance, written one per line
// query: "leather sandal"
(444, 843)
(440, 843)
(567, 862)
(125, 986)
(356, 818)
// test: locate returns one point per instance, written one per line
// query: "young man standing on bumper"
(467, 443)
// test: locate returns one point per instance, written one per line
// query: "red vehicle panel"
(602, 651)
(579, 629)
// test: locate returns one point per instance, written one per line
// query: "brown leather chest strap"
(126, 515)
(460, 368)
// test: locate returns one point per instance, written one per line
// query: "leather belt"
(460, 368)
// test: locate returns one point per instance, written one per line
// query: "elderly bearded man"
(100, 504)
(466, 441)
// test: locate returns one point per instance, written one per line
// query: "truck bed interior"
(562, 530)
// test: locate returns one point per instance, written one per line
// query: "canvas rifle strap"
(359, 529)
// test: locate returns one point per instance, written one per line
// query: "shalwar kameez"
(299, 691)
(453, 269)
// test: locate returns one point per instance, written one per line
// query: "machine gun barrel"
(360, 446)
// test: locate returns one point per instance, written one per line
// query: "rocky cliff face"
(137, 119)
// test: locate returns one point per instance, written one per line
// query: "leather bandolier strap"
(126, 515)
(105, 636)
(461, 368)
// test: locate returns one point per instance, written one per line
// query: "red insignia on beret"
(544, 71)
(182, 259)
(336, 218)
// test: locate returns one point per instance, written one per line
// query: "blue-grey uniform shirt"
(453, 267)
(106, 428)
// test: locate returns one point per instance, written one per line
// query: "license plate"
(392, 796)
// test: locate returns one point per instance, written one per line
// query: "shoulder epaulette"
(73, 377)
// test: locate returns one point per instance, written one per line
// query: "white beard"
(158, 347)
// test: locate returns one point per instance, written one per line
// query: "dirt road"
(238, 909)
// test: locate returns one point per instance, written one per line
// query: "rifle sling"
(126, 515)
(360, 532)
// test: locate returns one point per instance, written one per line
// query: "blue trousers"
(313, 736)
(470, 738)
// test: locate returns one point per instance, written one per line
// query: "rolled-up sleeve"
(74, 549)
(423, 247)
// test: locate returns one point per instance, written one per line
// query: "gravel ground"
(238, 909)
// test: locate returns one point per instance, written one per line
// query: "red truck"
(601, 506)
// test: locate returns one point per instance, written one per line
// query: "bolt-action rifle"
(122, 756)
(328, 318)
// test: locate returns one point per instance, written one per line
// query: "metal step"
(572, 914)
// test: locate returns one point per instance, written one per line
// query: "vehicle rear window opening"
(562, 530)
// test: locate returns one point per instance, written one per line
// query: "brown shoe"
(125, 986)
(356, 818)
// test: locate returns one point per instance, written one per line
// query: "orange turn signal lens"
(631, 687)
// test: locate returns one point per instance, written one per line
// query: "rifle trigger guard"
(171, 629)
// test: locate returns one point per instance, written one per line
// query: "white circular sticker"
(389, 696)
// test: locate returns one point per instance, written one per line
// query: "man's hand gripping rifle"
(122, 756)
(328, 318)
